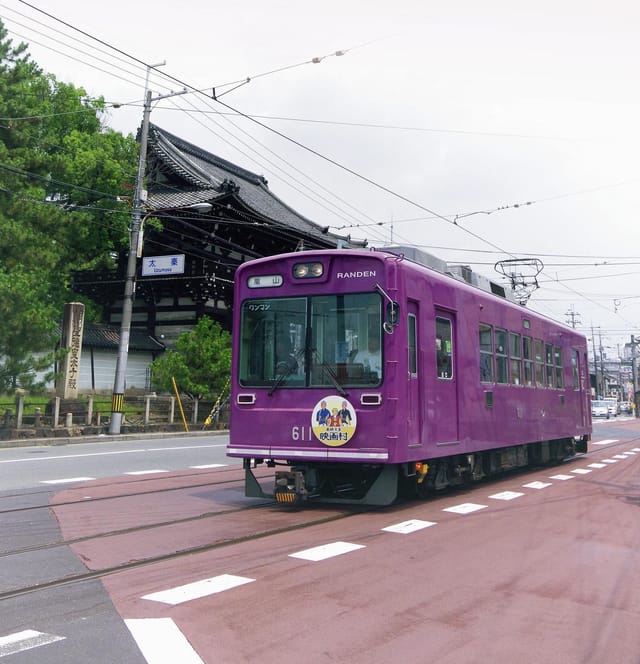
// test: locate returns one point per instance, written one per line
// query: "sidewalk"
(62, 436)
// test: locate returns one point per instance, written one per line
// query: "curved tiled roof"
(207, 177)
(98, 335)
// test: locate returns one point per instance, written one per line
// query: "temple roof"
(98, 335)
(181, 174)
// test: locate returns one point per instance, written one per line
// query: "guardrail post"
(19, 410)
(56, 411)
(89, 410)
(147, 409)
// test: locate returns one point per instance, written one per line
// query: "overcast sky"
(478, 131)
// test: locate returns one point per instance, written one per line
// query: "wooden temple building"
(245, 220)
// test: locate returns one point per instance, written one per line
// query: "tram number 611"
(301, 433)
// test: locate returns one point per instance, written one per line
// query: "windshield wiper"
(329, 371)
(285, 368)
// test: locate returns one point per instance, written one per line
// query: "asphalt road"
(536, 567)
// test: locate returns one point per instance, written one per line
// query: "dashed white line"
(581, 471)
(198, 589)
(562, 477)
(160, 641)
(604, 442)
(145, 472)
(325, 551)
(25, 640)
(464, 508)
(67, 480)
(537, 485)
(507, 495)
(597, 465)
(406, 527)
(210, 465)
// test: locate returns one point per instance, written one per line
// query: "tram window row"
(511, 358)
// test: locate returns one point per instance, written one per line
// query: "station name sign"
(153, 266)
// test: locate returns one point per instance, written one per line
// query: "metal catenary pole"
(117, 399)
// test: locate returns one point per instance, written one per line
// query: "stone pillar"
(72, 327)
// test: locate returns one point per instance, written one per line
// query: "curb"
(105, 437)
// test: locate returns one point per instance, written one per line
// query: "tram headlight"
(308, 270)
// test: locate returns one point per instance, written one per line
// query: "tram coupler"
(290, 487)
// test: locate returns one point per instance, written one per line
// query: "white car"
(600, 409)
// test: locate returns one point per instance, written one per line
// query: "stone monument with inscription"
(72, 328)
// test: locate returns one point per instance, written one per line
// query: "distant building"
(246, 221)
(100, 344)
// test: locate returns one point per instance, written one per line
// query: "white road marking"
(635, 449)
(70, 456)
(210, 465)
(464, 508)
(629, 453)
(561, 477)
(410, 526)
(597, 465)
(619, 456)
(67, 480)
(160, 641)
(25, 640)
(112, 453)
(325, 551)
(183, 447)
(537, 485)
(581, 471)
(198, 589)
(506, 495)
(609, 461)
(145, 472)
(605, 442)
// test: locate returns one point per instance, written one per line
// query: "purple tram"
(361, 375)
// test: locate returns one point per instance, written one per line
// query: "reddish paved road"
(549, 576)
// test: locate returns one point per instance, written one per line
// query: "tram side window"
(575, 358)
(486, 353)
(515, 358)
(539, 362)
(413, 347)
(444, 349)
(527, 354)
(548, 354)
(502, 373)
(557, 360)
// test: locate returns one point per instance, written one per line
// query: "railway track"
(215, 521)
(218, 527)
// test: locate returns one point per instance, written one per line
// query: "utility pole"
(140, 197)
(604, 390)
(595, 362)
(573, 318)
(634, 343)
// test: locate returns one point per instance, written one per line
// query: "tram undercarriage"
(381, 484)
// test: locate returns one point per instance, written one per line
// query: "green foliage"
(62, 178)
(200, 362)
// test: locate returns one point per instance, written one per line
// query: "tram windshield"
(319, 341)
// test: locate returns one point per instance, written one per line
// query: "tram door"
(414, 400)
(444, 423)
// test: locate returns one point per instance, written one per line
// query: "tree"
(63, 176)
(200, 362)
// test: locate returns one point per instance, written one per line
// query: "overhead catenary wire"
(466, 230)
